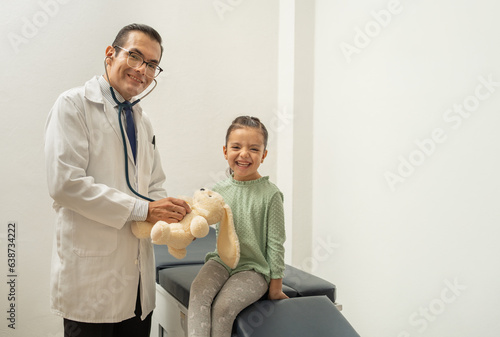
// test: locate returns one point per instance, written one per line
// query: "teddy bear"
(207, 208)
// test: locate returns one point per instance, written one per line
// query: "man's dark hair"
(122, 35)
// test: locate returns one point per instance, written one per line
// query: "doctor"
(103, 278)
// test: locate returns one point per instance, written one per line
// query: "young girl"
(219, 293)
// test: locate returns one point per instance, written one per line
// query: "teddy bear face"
(209, 204)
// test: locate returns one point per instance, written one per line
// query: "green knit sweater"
(257, 207)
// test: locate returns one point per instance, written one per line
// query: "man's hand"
(169, 210)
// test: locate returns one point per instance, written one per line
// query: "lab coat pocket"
(91, 238)
(148, 160)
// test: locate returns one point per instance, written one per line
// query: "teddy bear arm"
(199, 227)
(160, 233)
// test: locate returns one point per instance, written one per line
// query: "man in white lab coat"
(103, 277)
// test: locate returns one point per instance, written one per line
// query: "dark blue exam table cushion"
(301, 316)
(177, 281)
(307, 284)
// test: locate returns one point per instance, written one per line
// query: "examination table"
(311, 310)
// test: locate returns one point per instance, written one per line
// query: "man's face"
(127, 81)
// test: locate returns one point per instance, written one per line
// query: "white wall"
(396, 249)
(219, 63)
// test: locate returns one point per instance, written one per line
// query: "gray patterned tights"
(209, 317)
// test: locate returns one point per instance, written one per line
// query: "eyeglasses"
(134, 60)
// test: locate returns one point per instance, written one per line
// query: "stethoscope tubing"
(120, 109)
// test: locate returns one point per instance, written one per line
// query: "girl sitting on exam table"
(219, 293)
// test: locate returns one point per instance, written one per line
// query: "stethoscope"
(120, 109)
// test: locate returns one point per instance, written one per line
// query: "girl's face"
(245, 152)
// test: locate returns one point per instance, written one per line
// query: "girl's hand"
(277, 295)
(275, 290)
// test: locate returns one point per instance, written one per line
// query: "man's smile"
(135, 79)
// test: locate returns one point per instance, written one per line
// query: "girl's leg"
(203, 290)
(239, 291)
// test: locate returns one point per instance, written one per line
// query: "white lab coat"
(97, 260)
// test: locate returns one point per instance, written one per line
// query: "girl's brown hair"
(248, 122)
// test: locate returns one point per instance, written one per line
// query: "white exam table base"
(169, 314)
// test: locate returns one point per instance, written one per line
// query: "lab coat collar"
(93, 91)
(97, 93)
(94, 94)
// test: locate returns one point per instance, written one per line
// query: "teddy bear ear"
(228, 245)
